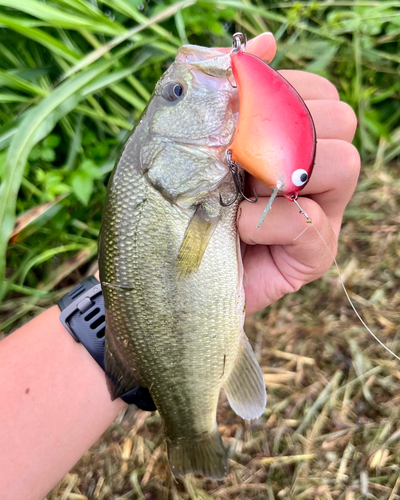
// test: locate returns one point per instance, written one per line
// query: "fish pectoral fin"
(120, 379)
(195, 241)
(203, 454)
(245, 387)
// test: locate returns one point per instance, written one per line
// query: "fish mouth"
(211, 69)
(210, 62)
(188, 54)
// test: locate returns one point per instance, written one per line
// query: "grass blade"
(37, 123)
(41, 37)
(17, 83)
(96, 54)
(61, 18)
(126, 7)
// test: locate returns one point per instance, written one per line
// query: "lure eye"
(299, 177)
(172, 92)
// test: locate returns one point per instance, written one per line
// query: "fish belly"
(178, 335)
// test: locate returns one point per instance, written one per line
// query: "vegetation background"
(75, 76)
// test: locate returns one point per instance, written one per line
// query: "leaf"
(114, 77)
(41, 37)
(69, 266)
(33, 219)
(96, 54)
(86, 8)
(82, 185)
(82, 180)
(52, 141)
(36, 124)
(7, 132)
(90, 169)
(16, 82)
(129, 96)
(102, 115)
(13, 98)
(180, 26)
(46, 255)
(61, 18)
(126, 7)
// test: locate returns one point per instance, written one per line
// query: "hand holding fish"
(211, 347)
(276, 262)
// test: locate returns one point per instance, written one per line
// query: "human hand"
(274, 262)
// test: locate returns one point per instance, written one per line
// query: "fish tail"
(205, 455)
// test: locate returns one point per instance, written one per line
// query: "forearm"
(54, 404)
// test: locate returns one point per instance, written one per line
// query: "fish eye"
(172, 91)
(299, 177)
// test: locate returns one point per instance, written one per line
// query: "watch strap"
(83, 315)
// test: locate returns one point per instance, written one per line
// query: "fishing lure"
(277, 144)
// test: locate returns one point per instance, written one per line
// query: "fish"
(170, 264)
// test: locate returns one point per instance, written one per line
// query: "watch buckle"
(82, 304)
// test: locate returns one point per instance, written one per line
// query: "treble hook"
(238, 181)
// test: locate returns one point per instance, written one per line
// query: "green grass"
(75, 76)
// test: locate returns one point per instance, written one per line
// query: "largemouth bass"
(170, 264)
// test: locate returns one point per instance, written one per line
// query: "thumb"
(263, 46)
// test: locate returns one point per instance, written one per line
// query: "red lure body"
(275, 138)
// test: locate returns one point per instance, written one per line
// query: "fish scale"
(138, 265)
(171, 272)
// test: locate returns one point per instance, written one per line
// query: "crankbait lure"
(277, 142)
(275, 139)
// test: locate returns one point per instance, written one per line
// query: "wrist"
(83, 316)
(55, 405)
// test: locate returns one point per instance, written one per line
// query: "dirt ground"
(331, 426)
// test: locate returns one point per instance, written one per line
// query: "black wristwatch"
(83, 315)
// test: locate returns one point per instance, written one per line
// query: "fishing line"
(309, 221)
(304, 230)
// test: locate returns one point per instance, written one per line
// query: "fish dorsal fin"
(245, 387)
(195, 241)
